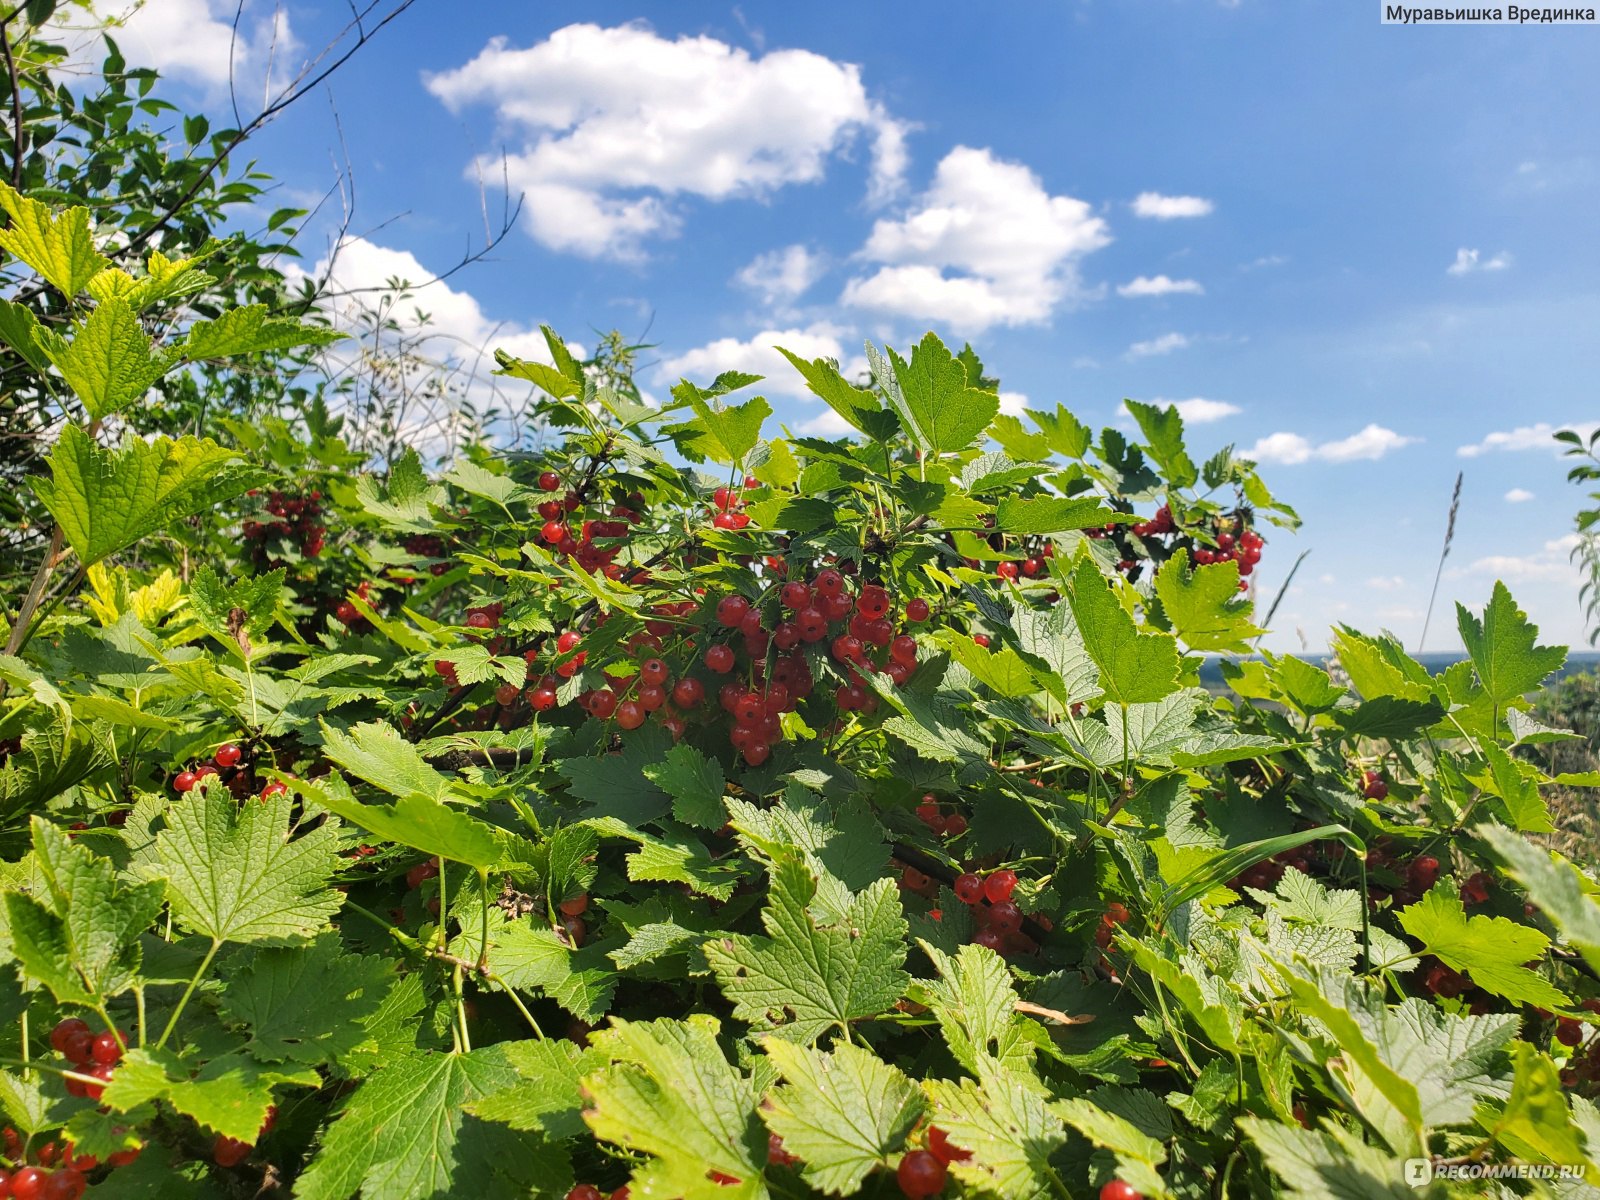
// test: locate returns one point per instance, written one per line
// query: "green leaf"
(1053, 514)
(109, 361)
(238, 613)
(856, 405)
(412, 820)
(376, 752)
(1002, 670)
(19, 329)
(397, 1137)
(682, 858)
(1162, 426)
(1516, 783)
(1050, 639)
(106, 500)
(695, 784)
(842, 1114)
(1393, 717)
(1331, 1165)
(403, 500)
(1204, 605)
(939, 406)
(229, 1095)
(671, 1094)
(547, 378)
(800, 980)
(1008, 1129)
(60, 248)
(547, 1095)
(307, 1005)
(976, 1007)
(1502, 648)
(734, 431)
(237, 874)
(1136, 665)
(527, 956)
(247, 330)
(81, 937)
(479, 481)
(615, 785)
(1490, 949)
(1535, 1123)
(1556, 886)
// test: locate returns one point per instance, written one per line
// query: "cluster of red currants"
(57, 1172)
(597, 542)
(728, 505)
(423, 545)
(1030, 566)
(348, 614)
(931, 813)
(225, 758)
(922, 1173)
(1582, 1069)
(295, 518)
(994, 912)
(1243, 548)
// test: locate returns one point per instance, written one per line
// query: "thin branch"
(16, 105)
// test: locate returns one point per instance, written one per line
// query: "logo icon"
(1419, 1172)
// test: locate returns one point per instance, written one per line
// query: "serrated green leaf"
(237, 613)
(376, 752)
(229, 1095)
(1490, 949)
(695, 784)
(1162, 426)
(412, 820)
(307, 1005)
(109, 361)
(1053, 514)
(547, 1095)
(856, 405)
(1331, 1165)
(1555, 885)
(1008, 1129)
(106, 500)
(1136, 665)
(1393, 717)
(1003, 669)
(526, 956)
(248, 330)
(732, 430)
(800, 980)
(59, 247)
(19, 329)
(939, 406)
(404, 500)
(1535, 1122)
(237, 874)
(842, 1114)
(976, 1007)
(1503, 650)
(396, 1138)
(1204, 605)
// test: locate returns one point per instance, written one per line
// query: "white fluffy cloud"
(759, 356)
(1197, 410)
(985, 245)
(1013, 403)
(1165, 344)
(458, 327)
(617, 121)
(1291, 449)
(1167, 208)
(1525, 437)
(1518, 496)
(1160, 285)
(779, 276)
(1386, 583)
(1552, 561)
(192, 40)
(1468, 261)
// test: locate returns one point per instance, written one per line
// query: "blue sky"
(1367, 253)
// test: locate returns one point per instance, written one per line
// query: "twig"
(16, 105)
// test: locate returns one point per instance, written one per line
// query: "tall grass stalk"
(1449, 536)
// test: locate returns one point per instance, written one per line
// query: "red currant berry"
(28, 1184)
(731, 611)
(916, 610)
(688, 693)
(575, 907)
(275, 788)
(64, 1030)
(630, 714)
(549, 481)
(653, 670)
(603, 703)
(829, 583)
(795, 596)
(107, 1049)
(955, 825)
(184, 781)
(969, 888)
(553, 532)
(67, 1184)
(229, 1152)
(227, 755)
(904, 650)
(1118, 1190)
(999, 885)
(585, 1191)
(920, 1175)
(543, 699)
